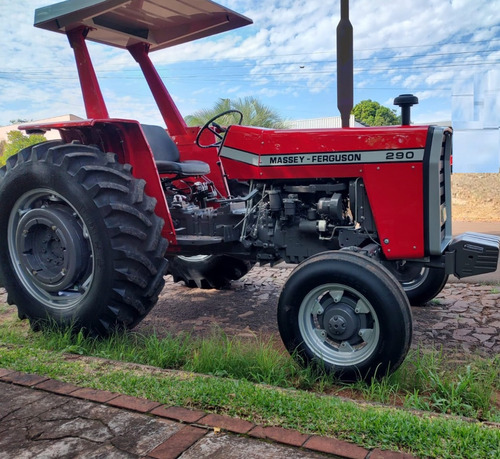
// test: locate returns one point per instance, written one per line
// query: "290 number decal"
(391, 155)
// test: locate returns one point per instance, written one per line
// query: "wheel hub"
(341, 322)
(52, 247)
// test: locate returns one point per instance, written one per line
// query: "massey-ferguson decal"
(383, 156)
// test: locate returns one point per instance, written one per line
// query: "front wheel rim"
(51, 249)
(338, 325)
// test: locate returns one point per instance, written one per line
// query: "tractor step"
(198, 240)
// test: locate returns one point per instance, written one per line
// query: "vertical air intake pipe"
(406, 101)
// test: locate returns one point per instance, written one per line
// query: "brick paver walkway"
(41, 417)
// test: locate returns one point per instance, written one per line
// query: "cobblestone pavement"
(464, 316)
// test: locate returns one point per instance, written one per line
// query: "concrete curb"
(197, 424)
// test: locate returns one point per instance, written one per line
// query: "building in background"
(476, 123)
(49, 135)
(328, 122)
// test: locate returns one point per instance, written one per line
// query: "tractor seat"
(167, 157)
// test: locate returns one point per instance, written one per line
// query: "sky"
(286, 59)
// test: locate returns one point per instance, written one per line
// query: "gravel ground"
(476, 197)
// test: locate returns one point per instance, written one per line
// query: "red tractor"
(90, 224)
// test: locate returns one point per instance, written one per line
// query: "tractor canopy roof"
(123, 23)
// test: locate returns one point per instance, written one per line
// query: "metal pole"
(171, 115)
(92, 95)
(344, 64)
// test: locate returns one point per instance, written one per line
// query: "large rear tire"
(81, 244)
(346, 314)
(208, 271)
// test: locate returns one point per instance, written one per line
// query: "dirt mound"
(476, 197)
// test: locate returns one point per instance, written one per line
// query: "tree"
(374, 114)
(255, 113)
(16, 141)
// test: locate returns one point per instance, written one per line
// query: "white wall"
(476, 123)
(314, 123)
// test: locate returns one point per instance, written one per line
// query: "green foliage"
(374, 114)
(432, 383)
(255, 113)
(16, 142)
(425, 381)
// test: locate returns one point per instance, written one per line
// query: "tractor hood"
(123, 23)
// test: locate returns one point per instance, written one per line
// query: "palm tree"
(255, 113)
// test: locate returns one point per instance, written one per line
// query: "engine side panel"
(395, 192)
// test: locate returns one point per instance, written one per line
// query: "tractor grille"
(438, 189)
(444, 182)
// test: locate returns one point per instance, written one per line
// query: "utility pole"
(345, 64)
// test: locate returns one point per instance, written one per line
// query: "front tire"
(80, 242)
(344, 313)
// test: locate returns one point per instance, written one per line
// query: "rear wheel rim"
(51, 249)
(339, 325)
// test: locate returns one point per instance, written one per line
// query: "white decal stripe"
(238, 155)
(314, 159)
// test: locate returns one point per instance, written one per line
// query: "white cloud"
(421, 47)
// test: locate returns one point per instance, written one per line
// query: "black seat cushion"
(167, 155)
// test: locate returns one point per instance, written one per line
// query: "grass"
(467, 389)
(426, 381)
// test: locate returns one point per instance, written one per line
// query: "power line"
(27, 76)
(311, 62)
(255, 57)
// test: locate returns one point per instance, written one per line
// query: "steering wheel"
(216, 129)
